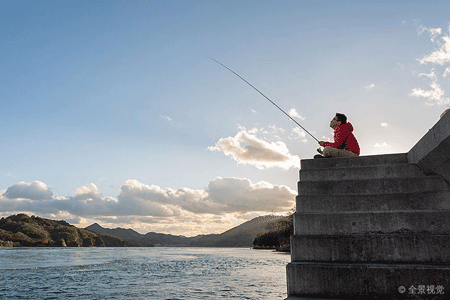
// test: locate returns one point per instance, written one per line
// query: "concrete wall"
(432, 152)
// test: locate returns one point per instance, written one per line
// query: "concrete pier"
(374, 227)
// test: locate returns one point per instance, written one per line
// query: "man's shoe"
(319, 150)
(318, 156)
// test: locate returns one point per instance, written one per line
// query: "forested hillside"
(277, 236)
(22, 230)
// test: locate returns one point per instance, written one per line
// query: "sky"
(113, 111)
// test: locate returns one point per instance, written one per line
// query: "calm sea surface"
(142, 273)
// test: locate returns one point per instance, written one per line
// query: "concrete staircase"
(374, 227)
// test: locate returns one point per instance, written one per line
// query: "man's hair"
(341, 117)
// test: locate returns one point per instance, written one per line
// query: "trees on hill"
(23, 230)
(277, 235)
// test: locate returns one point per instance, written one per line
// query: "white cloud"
(246, 148)
(137, 198)
(222, 195)
(167, 118)
(401, 66)
(276, 129)
(434, 32)
(384, 144)
(446, 72)
(298, 133)
(293, 113)
(385, 125)
(431, 75)
(183, 211)
(241, 195)
(440, 56)
(35, 190)
(370, 87)
(89, 192)
(435, 95)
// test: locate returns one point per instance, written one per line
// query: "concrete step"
(372, 248)
(368, 281)
(362, 172)
(374, 203)
(373, 186)
(346, 162)
(433, 222)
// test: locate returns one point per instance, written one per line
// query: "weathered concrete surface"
(432, 152)
(372, 248)
(373, 186)
(435, 200)
(362, 172)
(364, 281)
(350, 162)
(433, 222)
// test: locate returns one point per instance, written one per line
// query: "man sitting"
(345, 143)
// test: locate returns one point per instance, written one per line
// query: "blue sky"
(113, 111)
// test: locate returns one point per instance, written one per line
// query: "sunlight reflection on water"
(142, 273)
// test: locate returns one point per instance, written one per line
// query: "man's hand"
(321, 143)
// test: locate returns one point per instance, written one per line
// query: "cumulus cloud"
(221, 196)
(89, 192)
(241, 195)
(247, 148)
(137, 198)
(385, 125)
(35, 190)
(223, 204)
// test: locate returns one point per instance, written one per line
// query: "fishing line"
(265, 97)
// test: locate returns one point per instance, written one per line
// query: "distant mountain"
(132, 237)
(240, 236)
(22, 230)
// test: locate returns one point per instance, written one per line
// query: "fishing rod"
(265, 97)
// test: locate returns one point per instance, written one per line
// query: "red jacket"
(344, 138)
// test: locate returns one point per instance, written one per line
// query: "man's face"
(334, 123)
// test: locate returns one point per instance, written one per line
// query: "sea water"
(142, 273)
